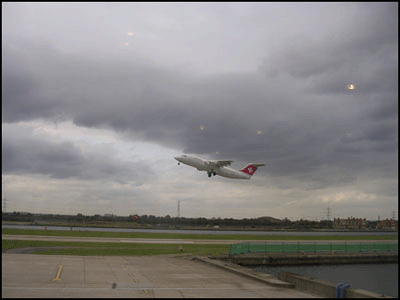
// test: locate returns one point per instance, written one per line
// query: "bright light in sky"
(351, 87)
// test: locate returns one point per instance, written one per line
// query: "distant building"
(350, 223)
(393, 224)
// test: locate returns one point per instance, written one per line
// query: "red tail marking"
(249, 169)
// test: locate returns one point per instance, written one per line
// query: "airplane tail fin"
(250, 169)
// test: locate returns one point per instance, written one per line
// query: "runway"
(172, 241)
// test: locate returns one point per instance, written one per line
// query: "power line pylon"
(328, 213)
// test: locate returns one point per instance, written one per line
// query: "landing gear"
(211, 173)
(179, 163)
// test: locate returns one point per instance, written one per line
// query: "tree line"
(168, 221)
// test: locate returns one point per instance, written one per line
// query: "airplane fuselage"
(212, 168)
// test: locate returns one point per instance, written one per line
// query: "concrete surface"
(168, 241)
(28, 275)
(245, 272)
(310, 258)
(323, 288)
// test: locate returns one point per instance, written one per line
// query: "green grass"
(128, 249)
(193, 236)
(117, 249)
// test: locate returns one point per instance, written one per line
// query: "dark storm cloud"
(365, 54)
(26, 93)
(310, 123)
(362, 49)
(169, 109)
(383, 133)
(23, 152)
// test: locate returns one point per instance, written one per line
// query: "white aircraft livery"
(218, 167)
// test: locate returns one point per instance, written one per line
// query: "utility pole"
(179, 202)
(4, 205)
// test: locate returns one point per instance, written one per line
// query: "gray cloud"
(347, 44)
(167, 107)
(23, 153)
(314, 130)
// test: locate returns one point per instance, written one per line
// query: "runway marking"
(58, 273)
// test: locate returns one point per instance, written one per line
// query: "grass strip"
(194, 236)
(117, 249)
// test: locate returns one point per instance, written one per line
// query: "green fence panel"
(386, 247)
(353, 247)
(310, 247)
(257, 248)
(273, 248)
(307, 247)
(339, 247)
(323, 247)
(368, 247)
(288, 248)
(239, 248)
(244, 248)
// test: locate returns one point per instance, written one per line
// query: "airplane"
(218, 167)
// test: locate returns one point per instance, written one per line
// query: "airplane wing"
(221, 163)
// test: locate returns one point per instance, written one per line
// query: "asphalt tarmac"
(43, 276)
(34, 276)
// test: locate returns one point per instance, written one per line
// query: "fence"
(311, 247)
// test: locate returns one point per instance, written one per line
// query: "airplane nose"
(177, 158)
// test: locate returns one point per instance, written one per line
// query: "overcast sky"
(98, 98)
